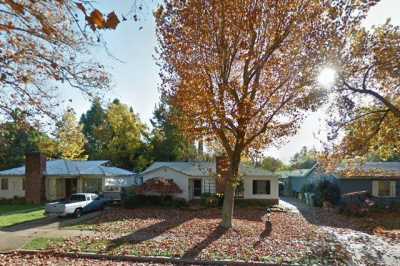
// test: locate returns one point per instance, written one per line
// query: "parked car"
(76, 205)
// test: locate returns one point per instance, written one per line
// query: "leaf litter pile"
(197, 235)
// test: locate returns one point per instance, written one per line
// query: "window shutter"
(393, 188)
(268, 186)
(375, 188)
(254, 187)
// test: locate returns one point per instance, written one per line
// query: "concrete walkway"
(15, 237)
(284, 203)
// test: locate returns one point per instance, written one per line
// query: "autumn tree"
(368, 94)
(272, 164)
(242, 71)
(43, 47)
(70, 139)
(121, 136)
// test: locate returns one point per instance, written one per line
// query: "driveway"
(15, 237)
(365, 249)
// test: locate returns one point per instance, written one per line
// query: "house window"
(23, 183)
(4, 184)
(92, 185)
(261, 187)
(384, 188)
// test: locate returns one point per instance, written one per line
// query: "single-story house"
(295, 180)
(198, 177)
(46, 180)
(380, 179)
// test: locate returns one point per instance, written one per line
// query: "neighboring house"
(41, 180)
(381, 179)
(295, 180)
(198, 177)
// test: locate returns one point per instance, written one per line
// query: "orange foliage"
(242, 71)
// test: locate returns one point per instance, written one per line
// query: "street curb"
(140, 259)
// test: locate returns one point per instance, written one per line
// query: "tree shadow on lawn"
(146, 233)
(119, 214)
(214, 236)
(171, 218)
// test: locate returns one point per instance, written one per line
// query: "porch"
(64, 187)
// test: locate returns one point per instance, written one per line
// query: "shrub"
(132, 200)
(308, 188)
(209, 200)
(264, 203)
(356, 203)
(326, 191)
(128, 197)
(14, 200)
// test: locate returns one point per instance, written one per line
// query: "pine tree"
(91, 120)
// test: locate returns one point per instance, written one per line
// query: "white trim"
(375, 188)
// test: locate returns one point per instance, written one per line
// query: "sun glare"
(327, 77)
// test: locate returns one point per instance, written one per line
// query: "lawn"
(15, 214)
(8, 208)
(42, 243)
(197, 235)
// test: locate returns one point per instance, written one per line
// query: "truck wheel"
(78, 213)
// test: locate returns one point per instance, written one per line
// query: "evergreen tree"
(304, 159)
(167, 143)
(17, 137)
(90, 121)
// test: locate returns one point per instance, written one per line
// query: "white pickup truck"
(76, 205)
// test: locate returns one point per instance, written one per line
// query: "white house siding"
(248, 188)
(180, 179)
(15, 188)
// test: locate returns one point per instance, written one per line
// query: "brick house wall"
(35, 169)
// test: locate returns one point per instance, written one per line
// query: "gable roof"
(369, 169)
(203, 168)
(298, 172)
(73, 168)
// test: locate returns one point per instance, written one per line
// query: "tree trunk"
(229, 194)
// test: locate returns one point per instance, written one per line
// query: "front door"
(71, 185)
(196, 187)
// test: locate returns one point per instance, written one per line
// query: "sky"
(135, 80)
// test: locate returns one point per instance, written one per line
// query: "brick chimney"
(222, 169)
(35, 167)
